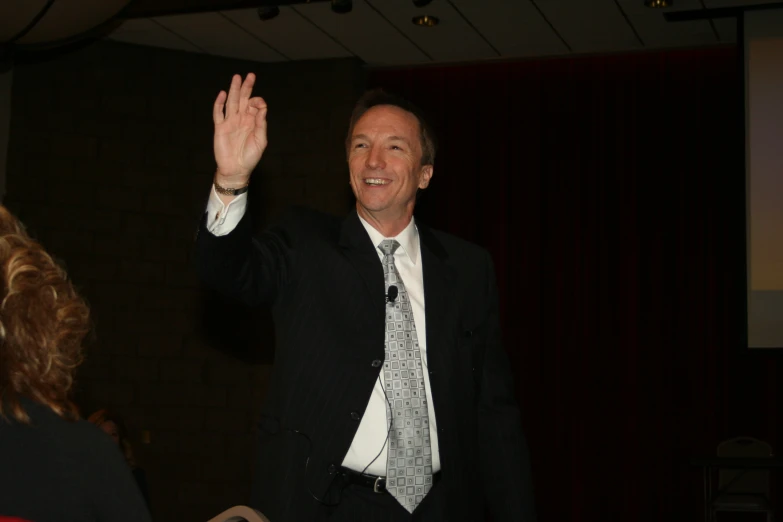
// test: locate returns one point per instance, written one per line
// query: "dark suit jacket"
(323, 280)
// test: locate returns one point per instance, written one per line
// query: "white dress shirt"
(221, 218)
(371, 435)
(370, 447)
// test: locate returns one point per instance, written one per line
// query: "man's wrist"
(230, 189)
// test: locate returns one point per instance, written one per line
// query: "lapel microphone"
(392, 295)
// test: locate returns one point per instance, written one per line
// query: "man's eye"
(359, 146)
(396, 147)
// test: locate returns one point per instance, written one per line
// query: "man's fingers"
(257, 103)
(257, 108)
(246, 91)
(232, 105)
(261, 120)
(217, 109)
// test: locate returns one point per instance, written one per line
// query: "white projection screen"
(763, 43)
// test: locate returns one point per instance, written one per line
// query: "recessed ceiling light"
(267, 13)
(342, 6)
(658, 3)
(425, 20)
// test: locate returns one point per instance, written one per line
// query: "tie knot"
(389, 246)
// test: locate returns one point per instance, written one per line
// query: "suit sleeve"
(504, 457)
(251, 269)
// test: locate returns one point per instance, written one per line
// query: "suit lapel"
(358, 248)
(440, 305)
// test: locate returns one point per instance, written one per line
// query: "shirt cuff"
(221, 218)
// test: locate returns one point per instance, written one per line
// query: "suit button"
(376, 363)
(331, 469)
(468, 334)
(355, 415)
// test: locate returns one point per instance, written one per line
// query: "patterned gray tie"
(409, 468)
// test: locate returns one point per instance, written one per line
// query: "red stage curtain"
(609, 190)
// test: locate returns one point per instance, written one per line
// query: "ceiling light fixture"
(426, 20)
(267, 13)
(658, 4)
(421, 3)
(342, 6)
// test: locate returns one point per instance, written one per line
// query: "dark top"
(57, 470)
(141, 480)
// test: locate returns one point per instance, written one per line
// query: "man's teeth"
(375, 181)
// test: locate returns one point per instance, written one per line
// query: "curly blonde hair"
(42, 324)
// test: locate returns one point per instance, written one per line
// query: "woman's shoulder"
(70, 436)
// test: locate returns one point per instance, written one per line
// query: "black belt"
(377, 484)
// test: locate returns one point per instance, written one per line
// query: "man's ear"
(425, 176)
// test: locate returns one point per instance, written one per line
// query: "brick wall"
(110, 161)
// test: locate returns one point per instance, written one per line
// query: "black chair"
(743, 490)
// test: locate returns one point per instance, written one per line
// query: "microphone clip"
(392, 294)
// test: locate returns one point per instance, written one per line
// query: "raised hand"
(240, 132)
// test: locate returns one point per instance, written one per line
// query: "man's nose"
(375, 158)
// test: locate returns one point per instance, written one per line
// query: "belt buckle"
(377, 482)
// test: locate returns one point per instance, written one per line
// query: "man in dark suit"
(392, 397)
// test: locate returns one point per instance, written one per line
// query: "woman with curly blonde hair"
(53, 466)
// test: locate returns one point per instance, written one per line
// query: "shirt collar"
(408, 239)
